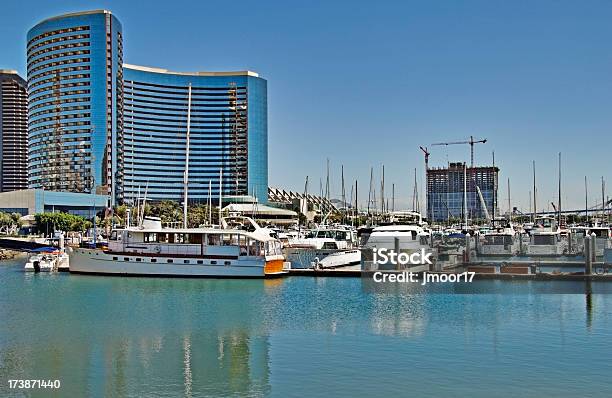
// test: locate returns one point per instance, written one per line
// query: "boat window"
(195, 238)
(200, 262)
(543, 239)
(600, 233)
(115, 258)
(228, 263)
(214, 240)
(153, 260)
(114, 236)
(162, 238)
(181, 238)
(126, 259)
(170, 260)
(341, 235)
(213, 262)
(414, 235)
(138, 259)
(242, 240)
(186, 261)
(150, 237)
(254, 248)
(227, 239)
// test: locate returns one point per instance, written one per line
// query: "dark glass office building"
(13, 132)
(74, 71)
(228, 131)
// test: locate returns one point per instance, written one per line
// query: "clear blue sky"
(366, 83)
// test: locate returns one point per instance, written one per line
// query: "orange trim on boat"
(273, 267)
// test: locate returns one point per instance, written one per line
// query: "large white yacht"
(499, 239)
(241, 249)
(545, 238)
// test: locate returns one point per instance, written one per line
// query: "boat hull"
(89, 261)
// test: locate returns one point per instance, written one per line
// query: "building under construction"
(448, 188)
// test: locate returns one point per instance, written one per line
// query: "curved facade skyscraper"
(228, 131)
(74, 73)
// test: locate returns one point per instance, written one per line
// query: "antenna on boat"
(209, 200)
(186, 174)
(220, 193)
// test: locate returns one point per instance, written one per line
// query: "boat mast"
(220, 193)
(465, 209)
(186, 174)
(534, 193)
(586, 200)
(559, 199)
(393, 197)
(509, 205)
(209, 202)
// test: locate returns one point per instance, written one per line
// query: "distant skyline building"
(13, 131)
(445, 191)
(74, 72)
(228, 131)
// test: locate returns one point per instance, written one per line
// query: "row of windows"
(55, 56)
(195, 100)
(62, 109)
(58, 47)
(57, 32)
(60, 117)
(193, 88)
(55, 79)
(62, 94)
(137, 107)
(62, 101)
(58, 63)
(170, 261)
(60, 86)
(62, 125)
(59, 39)
(182, 90)
(55, 72)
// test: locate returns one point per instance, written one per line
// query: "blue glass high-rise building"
(228, 131)
(74, 73)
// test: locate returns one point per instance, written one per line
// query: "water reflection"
(161, 337)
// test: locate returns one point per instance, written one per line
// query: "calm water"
(108, 336)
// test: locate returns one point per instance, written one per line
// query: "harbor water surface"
(297, 336)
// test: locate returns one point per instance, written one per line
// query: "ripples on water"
(109, 336)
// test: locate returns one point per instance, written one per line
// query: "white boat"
(46, 259)
(327, 237)
(498, 240)
(339, 259)
(405, 238)
(545, 238)
(603, 237)
(151, 250)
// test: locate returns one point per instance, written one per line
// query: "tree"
(10, 223)
(50, 222)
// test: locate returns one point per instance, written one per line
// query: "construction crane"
(427, 153)
(471, 142)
